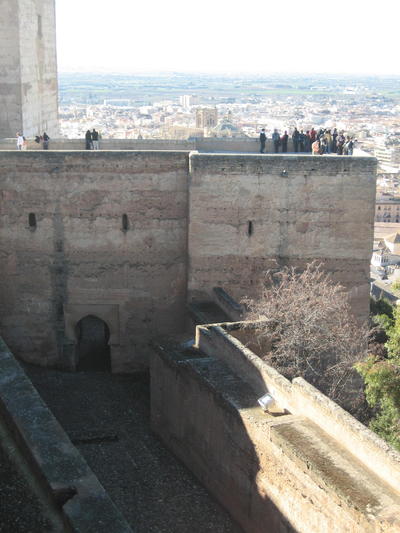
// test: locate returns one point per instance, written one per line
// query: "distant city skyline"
(358, 37)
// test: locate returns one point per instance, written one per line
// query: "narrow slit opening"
(32, 220)
(125, 222)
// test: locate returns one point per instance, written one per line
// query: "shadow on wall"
(93, 350)
(200, 410)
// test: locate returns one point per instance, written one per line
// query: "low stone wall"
(300, 398)
(227, 304)
(314, 468)
(55, 462)
(212, 144)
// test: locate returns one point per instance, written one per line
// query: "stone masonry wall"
(66, 254)
(272, 473)
(79, 260)
(28, 73)
(38, 59)
(10, 93)
(250, 213)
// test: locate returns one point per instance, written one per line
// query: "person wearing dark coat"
(88, 138)
(296, 139)
(276, 138)
(45, 139)
(95, 139)
(263, 138)
(334, 141)
(302, 140)
(284, 141)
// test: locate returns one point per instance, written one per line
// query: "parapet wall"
(53, 461)
(309, 467)
(300, 398)
(207, 144)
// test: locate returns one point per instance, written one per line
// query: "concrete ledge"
(75, 489)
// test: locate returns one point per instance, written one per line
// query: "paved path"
(107, 416)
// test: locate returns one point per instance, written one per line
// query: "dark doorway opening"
(93, 351)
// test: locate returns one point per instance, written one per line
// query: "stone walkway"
(107, 417)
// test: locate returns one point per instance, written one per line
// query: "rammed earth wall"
(193, 221)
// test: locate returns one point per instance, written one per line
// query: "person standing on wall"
(95, 139)
(296, 139)
(88, 138)
(276, 138)
(46, 140)
(263, 139)
(20, 141)
(284, 141)
(315, 148)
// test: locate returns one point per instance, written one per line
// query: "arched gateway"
(92, 349)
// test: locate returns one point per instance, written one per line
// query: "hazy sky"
(343, 36)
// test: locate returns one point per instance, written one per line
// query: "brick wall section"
(300, 208)
(78, 256)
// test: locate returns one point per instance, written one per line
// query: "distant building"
(182, 132)
(387, 252)
(187, 100)
(206, 117)
(387, 208)
(388, 156)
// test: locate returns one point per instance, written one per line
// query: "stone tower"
(28, 68)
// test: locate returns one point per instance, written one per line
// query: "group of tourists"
(22, 142)
(44, 139)
(92, 140)
(323, 141)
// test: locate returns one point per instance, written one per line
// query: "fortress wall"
(300, 398)
(251, 213)
(79, 261)
(38, 64)
(280, 473)
(10, 91)
(28, 77)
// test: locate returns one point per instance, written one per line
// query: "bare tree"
(307, 329)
